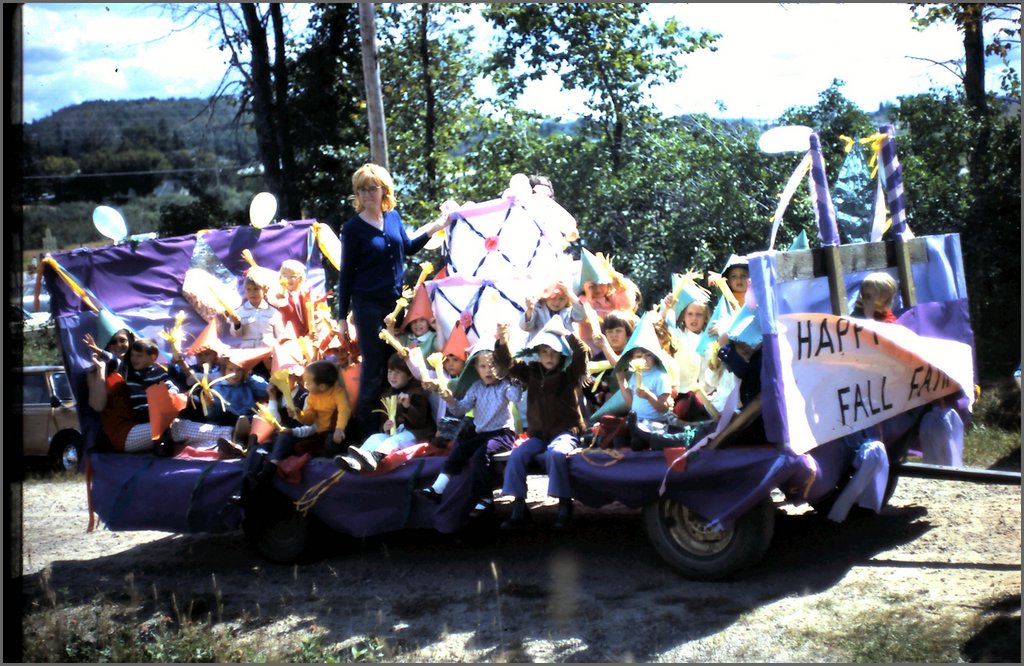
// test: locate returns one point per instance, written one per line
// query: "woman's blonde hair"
(370, 175)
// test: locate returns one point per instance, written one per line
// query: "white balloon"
(785, 139)
(262, 209)
(110, 223)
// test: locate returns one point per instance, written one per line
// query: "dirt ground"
(943, 554)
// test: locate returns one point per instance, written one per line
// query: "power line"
(134, 173)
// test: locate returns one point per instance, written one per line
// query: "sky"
(769, 57)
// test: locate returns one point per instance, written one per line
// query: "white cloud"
(77, 53)
(770, 57)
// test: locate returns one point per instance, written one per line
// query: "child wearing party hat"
(417, 329)
(646, 382)
(113, 339)
(491, 400)
(553, 369)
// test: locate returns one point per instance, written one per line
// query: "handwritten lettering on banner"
(842, 374)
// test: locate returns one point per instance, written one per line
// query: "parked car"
(49, 417)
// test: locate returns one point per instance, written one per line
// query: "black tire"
(66, 453)
(680, 537)
(273, 526)
(284, 540)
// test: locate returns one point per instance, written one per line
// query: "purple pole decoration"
(828, 231)
(893, 182)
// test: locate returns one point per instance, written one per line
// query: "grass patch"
(986, 447)
(903, 634)
(108, 633)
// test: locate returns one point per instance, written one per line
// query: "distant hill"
(184, 123)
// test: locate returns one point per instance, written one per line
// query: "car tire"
(681, 538)
(66, 453)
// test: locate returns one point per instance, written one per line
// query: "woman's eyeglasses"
(368, 190)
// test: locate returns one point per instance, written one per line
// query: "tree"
(608, 50)
(434, 117)
(328, 94)
(263, 87)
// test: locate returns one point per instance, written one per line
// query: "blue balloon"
(110, 223)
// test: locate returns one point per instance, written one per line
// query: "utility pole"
(371, 75)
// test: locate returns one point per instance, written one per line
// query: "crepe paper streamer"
(386, 336)
(205, 386)
(399, 304)
(328, 242)
(316, 491)
(390, 411)
(164, 407)
(787, 195)
(266, 418)
(824, 212)
(436, 361)
(175, 335)
(87, 297)
(415, 360)
(893, 182)
(280, 380)
(426, 268)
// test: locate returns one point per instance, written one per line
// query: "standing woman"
(374, 246)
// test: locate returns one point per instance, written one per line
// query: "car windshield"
(62, 387)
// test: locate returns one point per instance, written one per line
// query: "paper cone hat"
(163, 407)
(261, 429)
(287, 356)
(615, 405)
(553, 335)
(247, 358)
(593, 269)
(461, 384)
(108, 324)
(208, 339)
(420, 308)
(457, 343)
(690, 292)
(734, 260)
(646, 338)
(800, 242)
(745, 327)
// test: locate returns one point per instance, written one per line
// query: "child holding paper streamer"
(406, 420)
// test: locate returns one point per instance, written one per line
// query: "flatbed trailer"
(709, 515)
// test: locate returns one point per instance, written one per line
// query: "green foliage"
(937, 142)
(1006, 37)
(432, 114)
(833, 116)
(327, 103)
(609, 50)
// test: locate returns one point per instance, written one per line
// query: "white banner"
(841, 375)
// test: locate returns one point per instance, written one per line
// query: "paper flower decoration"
(175, 335)
(638, 365)
(390, 411)
(261, 411)
(207, 394)
(466, 318)
(491, 243)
